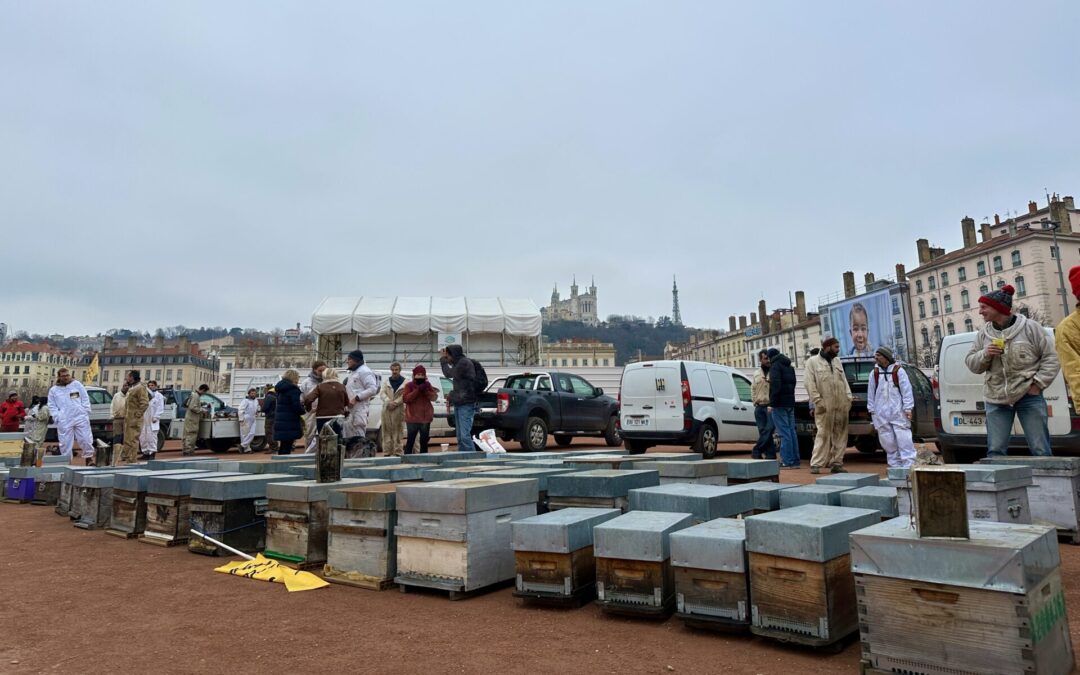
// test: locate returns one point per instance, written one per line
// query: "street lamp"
(1054, 226)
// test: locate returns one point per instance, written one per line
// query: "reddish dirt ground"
(79, 601)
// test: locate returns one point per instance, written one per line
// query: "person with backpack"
(890, 401)
(469, 379)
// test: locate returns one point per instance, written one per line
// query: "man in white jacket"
(248, 407)
(890, 401)
(361, 386)
(69, 407)
(148, 439)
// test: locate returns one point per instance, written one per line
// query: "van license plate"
(969, 420)
(637, 421)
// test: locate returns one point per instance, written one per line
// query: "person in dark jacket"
(288, 424)
(782, 407)
(269, 408)
(328, 400)
(459, 369)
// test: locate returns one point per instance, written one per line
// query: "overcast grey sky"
(233, 163)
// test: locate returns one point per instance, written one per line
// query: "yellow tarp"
(265, 569)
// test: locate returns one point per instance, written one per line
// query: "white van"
(685, 403)
(962, 426)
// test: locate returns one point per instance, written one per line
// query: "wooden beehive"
(993, 603)
(167, 508)
(553, 555)
(712, 587)
(297, 519)
(633, 562)
(361, 547)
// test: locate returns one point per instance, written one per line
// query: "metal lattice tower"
(676, 315)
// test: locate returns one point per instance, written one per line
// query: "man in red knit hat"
(1018, 362)
(1067, 337)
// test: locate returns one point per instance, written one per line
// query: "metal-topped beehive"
(1054, 497)
(801, 586)
(598, 488)
(361, 548)
(397, 473)
(553, 554)
(992, 603)
(826, 495)
(705, 471)
(540, 475)
(712, 583)
(752, 470)
(168, 498)
(456, 472)
(994, 492)
(455, 535)
(128, 517)
(880, 499)
(703, 502)
(297, 518)
(850, 480)
(766, 495)
(231, 510)
(633, 562)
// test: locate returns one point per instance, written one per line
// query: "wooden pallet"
(355, 579)
(578, 598)
(454, 591)
(715, 624)
(827, 645)
(120, 533)
(158, 541)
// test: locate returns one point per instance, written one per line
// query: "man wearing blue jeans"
(1018, 362)
(459, 369)
(782, 407)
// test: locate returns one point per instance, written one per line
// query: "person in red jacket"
(12, 413)
(418, 409)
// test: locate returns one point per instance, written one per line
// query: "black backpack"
(480, 380)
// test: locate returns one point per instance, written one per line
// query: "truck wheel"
(705, 443)
(563, 440)
(161, 439)
(611, 433)
(220, 445)
(636, 447)
(534, 435)
(258, 444)
(867, 445)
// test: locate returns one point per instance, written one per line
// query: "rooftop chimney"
(764, 317)
(986, 232)
(742, 322)
(753, 318)
(967, 226)
(1069, 202)
(731, 322)
(131, 342)
(1032, 207)
(868, 279)
(997, 219)
(1059, 212)
(109, 343)
(159, 342)
(183, 345)
(901, 273)
(924, 250)
(800, 306)
(849, 284)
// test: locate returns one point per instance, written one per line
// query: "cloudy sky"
(233, 163)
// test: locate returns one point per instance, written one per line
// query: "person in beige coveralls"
(830, 395)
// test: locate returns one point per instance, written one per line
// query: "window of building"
(575, 362)
(564, 362)
(925, 336)
(944, 278)
(932, 281)
(934, 306)
(961, 274)
(965, 299)
(898, 332)
(168, 374)
(950, 328)
(105, 376)
(1053, 252)
(980, 267)
(937, 333)
(1016, 258)
(918, 285)
(895, 309)
(1000, 283)
(1021, 287)
(968, 325)
(997, 264)
(948, 303)
(922, 309)
(607, 362)
(7, 369)
(983, 289)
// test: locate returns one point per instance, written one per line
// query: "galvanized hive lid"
(705, 502)
(747, 469)
(310, 490)
(809, 532)
(718, 545)
(690, 469)
(602, 483)
(380, 497)
(827, 495)
(243, 486)
(467, 495)
(540, 475)
(560, 531)
(1040, 465)
(879, 498)
(851, 480)
(766, 494)
(178, 485)
(137, 481)
(639, 535)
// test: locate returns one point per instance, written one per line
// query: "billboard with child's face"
(865, 323)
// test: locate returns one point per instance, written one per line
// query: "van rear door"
(963, 410)
(652, 398)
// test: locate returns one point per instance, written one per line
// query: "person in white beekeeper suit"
(248, 407)
(890, 401)
(69, 407)
(148, 438)
(361, 385)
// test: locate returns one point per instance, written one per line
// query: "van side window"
(699, 383)
(742, 387)
(722, 385)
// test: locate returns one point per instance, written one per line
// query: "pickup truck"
(531, 405)
(219, 432)
(861, 433)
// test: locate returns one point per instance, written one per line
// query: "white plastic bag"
(491, 441)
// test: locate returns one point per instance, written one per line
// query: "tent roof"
(372, 316)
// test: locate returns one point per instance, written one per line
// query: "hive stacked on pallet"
(553, 555)
(538, 474)
(994, 492)
(633, 562)
(1055, 496)
(361, 549)
(992, 603)
(128, 518)
(25, 482)
(231, 510)
(801, 586)
(702, 502)
(706, 471)
(599, 488)
(297, 517)
(91, 498)
(752, 470)
(712, 584)
(455, 535)
(168, 519)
